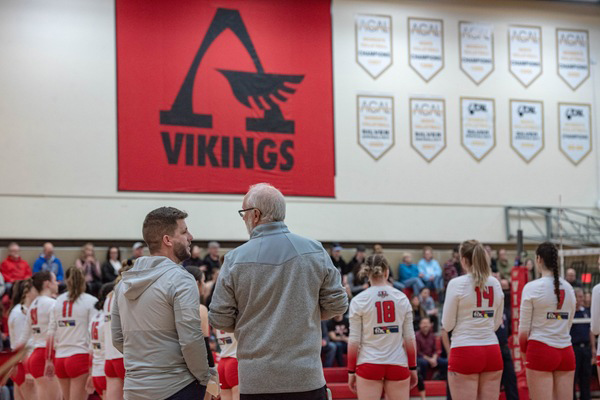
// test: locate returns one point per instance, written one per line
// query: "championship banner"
(527, 128)
(476, 50)
(525, 53)
(428, 127)
(575, 130)
(215, 96)
(477, 125)
(573, 56)
(374, 43)
(426, 46)
(375, 124)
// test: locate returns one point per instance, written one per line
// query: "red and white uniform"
(38, 322)
(97, 346)
(17, 324)
(472, 315)
(545, 324)
(380, 322)
(113, 364)
(595, 311)
(69, 324)
(228, 364)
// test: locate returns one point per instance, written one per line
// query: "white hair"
(268, 200)
(213, 244)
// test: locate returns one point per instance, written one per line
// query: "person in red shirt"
(14, 268)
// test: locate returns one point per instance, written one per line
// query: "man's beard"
(182, 252)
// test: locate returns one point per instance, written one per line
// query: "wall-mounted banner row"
(478, 127)
(476, 48)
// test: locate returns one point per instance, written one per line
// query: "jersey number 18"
(386, 311)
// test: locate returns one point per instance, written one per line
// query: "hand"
(433, 362)
(414, 379)
(49, 369)
(352, 382)
(89, 385)
(421, 275)
(431, 279)
(323, 342)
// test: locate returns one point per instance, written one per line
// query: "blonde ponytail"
(374, 267)
(478, 260)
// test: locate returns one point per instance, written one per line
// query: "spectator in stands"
(509, 377)
(581, 337)
(357, 284)
(339, 328)
(503, 265)
(196, 260)
(428, 353)
(530, 270)
(571, 277)
(452, 267)
(209, 287)
(90, 268)
(112, 265)
(428, 304)
(409, 274)
(338, 260)
(418, 311)
(377, 249)
(431, 270)
(212, 259)
(137, 251)
(328, 349)
(587, 298)
(47, 261)
(493, 260)
(14, 268)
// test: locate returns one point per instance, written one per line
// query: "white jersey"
(110, 351)
(17, 326)
(380, 321)
(227, 343)
(472, 315)
(542, 318)
(595, 311)
(70, 322)
(97, 343)
(38, 321)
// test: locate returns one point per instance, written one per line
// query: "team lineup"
(146, 335)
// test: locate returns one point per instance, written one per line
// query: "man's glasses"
(241, 212)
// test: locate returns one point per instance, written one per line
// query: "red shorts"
(37, 362)
(72, 367)
(228, 372)
(541, 357)
(475, 359)
(18, 376)
(379, 372)
(114, 368)
(99, 384)
(598, 360)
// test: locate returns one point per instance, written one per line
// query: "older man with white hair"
(273, 291)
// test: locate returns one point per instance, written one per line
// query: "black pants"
(583, 369)
(319, 394)
(509, 378)
(193, 391)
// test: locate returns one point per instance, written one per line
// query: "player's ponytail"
(75, 283)
(478, 260)
(374, 267)
(549, 254)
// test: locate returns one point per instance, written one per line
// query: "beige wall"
(58, 135)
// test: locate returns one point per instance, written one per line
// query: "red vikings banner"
(214, 96)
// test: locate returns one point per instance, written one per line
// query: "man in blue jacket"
(49, 262)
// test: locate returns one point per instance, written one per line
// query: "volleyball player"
(97, 380)
(382, 349)
(595, 326)
(546, 316)
(69, 324)
(114, 370)
(473, 312)
(228, 366)
(38, 321)
(23, 294)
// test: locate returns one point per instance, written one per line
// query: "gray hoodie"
(273, 292)
(156, 325)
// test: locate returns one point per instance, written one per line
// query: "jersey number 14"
(487, 294)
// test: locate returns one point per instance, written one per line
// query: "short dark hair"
(158, 223)
(39, 278)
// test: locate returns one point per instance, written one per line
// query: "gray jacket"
(156, 325)
(273, 292)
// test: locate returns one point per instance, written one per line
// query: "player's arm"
(571, 293)
(499, 313)
(333, 299)
(595, 311)
(525, 318)
(223, 306)
(450, 311)
(410, 344)
(115, 322)
(49, 356)
(354, 343)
